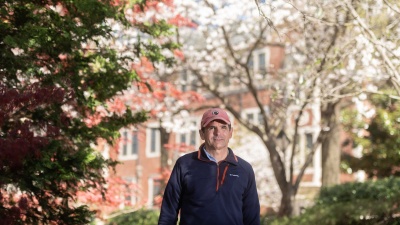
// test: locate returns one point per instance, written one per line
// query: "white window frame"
(192, 127)
(129, 155)
(134, 196)
(157, 151)
(256, 63)
(303, 148)
(150, 191)
(255, 113)
(187, 80)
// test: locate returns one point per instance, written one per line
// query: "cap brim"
(213, 119)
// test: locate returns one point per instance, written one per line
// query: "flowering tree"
(326, 64)
(58, 85)
(152, 93)
(341, 44)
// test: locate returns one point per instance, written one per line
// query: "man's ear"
(201, 134)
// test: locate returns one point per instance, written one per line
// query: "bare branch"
(395, 75)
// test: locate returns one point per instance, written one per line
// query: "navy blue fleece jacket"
(207, 193)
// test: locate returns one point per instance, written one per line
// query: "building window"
(183, 138)
(309, 146)
(250, 117)
(135, 143)
(261, 63)
(309, 141)
(131, 193)
(189, 134)
(154, 190)
(188, 138)
(193, 137)
(188, 81)
(184, 79)
(254, 116)
(129, 145)
(125, 143)
(250, 64)
(260, 118)
(153, 142)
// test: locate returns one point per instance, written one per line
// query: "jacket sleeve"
(251, 203)
(171, 200)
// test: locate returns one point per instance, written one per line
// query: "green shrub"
(367, 203)
(139, 217)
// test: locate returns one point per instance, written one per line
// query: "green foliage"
(54, 74)
(139, 217)
(353, 204)
(381, 144)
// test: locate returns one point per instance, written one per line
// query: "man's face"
(216, 135)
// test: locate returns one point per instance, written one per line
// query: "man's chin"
(219, 147)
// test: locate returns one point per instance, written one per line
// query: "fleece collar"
(231, 158)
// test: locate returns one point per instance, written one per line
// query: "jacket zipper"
(223, 176)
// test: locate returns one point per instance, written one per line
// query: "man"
(211, 186)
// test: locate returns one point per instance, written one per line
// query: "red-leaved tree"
(59, 80)
(152, 92)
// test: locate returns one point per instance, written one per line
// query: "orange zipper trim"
(223, 176)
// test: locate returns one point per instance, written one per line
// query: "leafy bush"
(367, 203)
(139, 217)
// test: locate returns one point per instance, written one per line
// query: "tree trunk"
(164, 139)
(287, 189)
(286, 207)
(331, 145)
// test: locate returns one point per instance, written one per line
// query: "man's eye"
(210, 128)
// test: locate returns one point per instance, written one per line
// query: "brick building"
(140, 149)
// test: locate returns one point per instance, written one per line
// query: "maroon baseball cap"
(214, 114)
